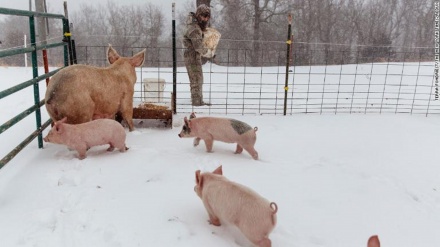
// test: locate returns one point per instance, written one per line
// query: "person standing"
(193, 41)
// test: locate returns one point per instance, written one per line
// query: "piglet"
(221, 129)
(81, 137)
(227, 201)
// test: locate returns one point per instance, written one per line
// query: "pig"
(83, 93)
(373, 241)
(227, 201)
(81, 137)
(220, 129)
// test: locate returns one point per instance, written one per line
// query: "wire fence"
(321, 79)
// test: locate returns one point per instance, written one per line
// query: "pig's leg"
(82, 153)
(122, 148)
(214, 220)
(208, 143)
(111, 148)
(127, 111)
(196, 141)
(251, 150)
(239, 149)
(264, 243)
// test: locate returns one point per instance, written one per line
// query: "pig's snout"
(46, 139)
(179, 135)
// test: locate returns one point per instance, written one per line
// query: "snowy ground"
(337, 179)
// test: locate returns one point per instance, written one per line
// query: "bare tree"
(233, 25)
(125, 27)
(14, 28)
(263, 13)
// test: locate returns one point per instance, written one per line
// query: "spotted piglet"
(230, 202)
(221, 129)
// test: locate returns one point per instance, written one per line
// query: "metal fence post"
(67, 38)
(173, 100)
(289, 42)
(35, 75)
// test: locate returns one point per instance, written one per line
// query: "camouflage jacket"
(193, 37)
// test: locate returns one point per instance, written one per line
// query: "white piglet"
(227, 201)
(221, 129)
(81, 137)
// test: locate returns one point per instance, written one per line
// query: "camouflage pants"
(193, 65)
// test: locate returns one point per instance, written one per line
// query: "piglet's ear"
(185, 119)
(59, 127)
(193, 115)
(373, 241)
(197, 176)
(63, 120)
(199, 179)
(218, 171)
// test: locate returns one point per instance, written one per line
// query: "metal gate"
(38, 103)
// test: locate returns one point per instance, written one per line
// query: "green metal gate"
(36, 78)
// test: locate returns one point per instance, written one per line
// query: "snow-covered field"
(337, 179)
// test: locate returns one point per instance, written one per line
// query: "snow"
(337, 179)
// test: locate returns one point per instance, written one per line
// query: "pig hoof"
(110, 149)
(215, 222)
(255, 156)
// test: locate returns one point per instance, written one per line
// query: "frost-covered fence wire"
(323, 79)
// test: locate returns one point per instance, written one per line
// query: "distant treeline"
(254, 32)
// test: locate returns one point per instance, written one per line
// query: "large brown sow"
(83, 93)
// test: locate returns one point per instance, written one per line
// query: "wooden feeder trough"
(151, 111)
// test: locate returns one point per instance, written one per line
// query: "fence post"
(35, 75)
(289, 42)
(173, 100)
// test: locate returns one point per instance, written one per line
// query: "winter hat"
(203, 9)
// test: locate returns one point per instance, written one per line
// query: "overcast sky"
(56, 6)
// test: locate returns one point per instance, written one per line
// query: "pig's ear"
(138, 59)
(63, 120)
(112, 55)
(218, 171)
(197, 176)
(373, 241)
(199, 179)
(193, 115)
(59, 127)
(185, 119)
